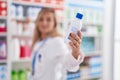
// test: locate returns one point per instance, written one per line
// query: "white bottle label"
(72, 30)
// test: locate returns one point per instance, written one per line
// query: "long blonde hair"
(37, 33)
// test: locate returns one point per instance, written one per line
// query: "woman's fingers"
(75, 37)
(76, 43)
(72, 45)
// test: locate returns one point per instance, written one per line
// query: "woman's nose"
(44, 22)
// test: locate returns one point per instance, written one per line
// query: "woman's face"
(46, 23)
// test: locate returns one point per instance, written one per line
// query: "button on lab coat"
(54, 59)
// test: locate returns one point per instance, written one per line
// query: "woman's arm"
(70, 58)
(71, 63)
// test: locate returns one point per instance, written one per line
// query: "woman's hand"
(75, 43)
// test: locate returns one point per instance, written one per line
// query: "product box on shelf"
(3, 8)
(25, 51)
(73, 75)
(21, 74)
(91, 68)
(84, 72)
(3, 53)
(95, 66)
(88, 44)
(2, 26)
(85, 69)
(3, 72)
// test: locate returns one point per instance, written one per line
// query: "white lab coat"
(56, 59)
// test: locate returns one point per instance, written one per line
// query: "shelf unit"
(2, 0)
(91, 35)
(22, 63)
(90, 30)
(12, 63)
(3, 41)
(91, 78)
(94, 53)
(21, 60)
(3, 17)
(3, 34)
(22, 37)
(28, 60)
(15, 63)
(3, 61)
(38, 4)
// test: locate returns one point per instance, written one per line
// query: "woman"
(50, 55)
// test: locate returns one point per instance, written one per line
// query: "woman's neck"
(44, 36)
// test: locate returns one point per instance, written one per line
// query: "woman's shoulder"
(58, 44)
(57, 41)
(58, 38)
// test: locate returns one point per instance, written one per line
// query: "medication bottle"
(74, 26)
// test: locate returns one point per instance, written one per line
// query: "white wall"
(108, 40)
(117, 42)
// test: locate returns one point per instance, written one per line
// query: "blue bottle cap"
(79, 16)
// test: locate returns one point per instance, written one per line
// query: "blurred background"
(101, 36)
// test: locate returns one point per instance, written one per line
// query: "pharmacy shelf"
(92, 24)
(21, 64)
(3, 17)
(93, 53)
(96, 51)
(90, 78)
(38, 4)
(28, 37)
(22, 37)
(3, 0)
(3, 61)
(26, 19)
(86, 23)
(20, 20)
(3, 34)
(91, 35)
(24, 60)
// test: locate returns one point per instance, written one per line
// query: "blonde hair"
(37, 33)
